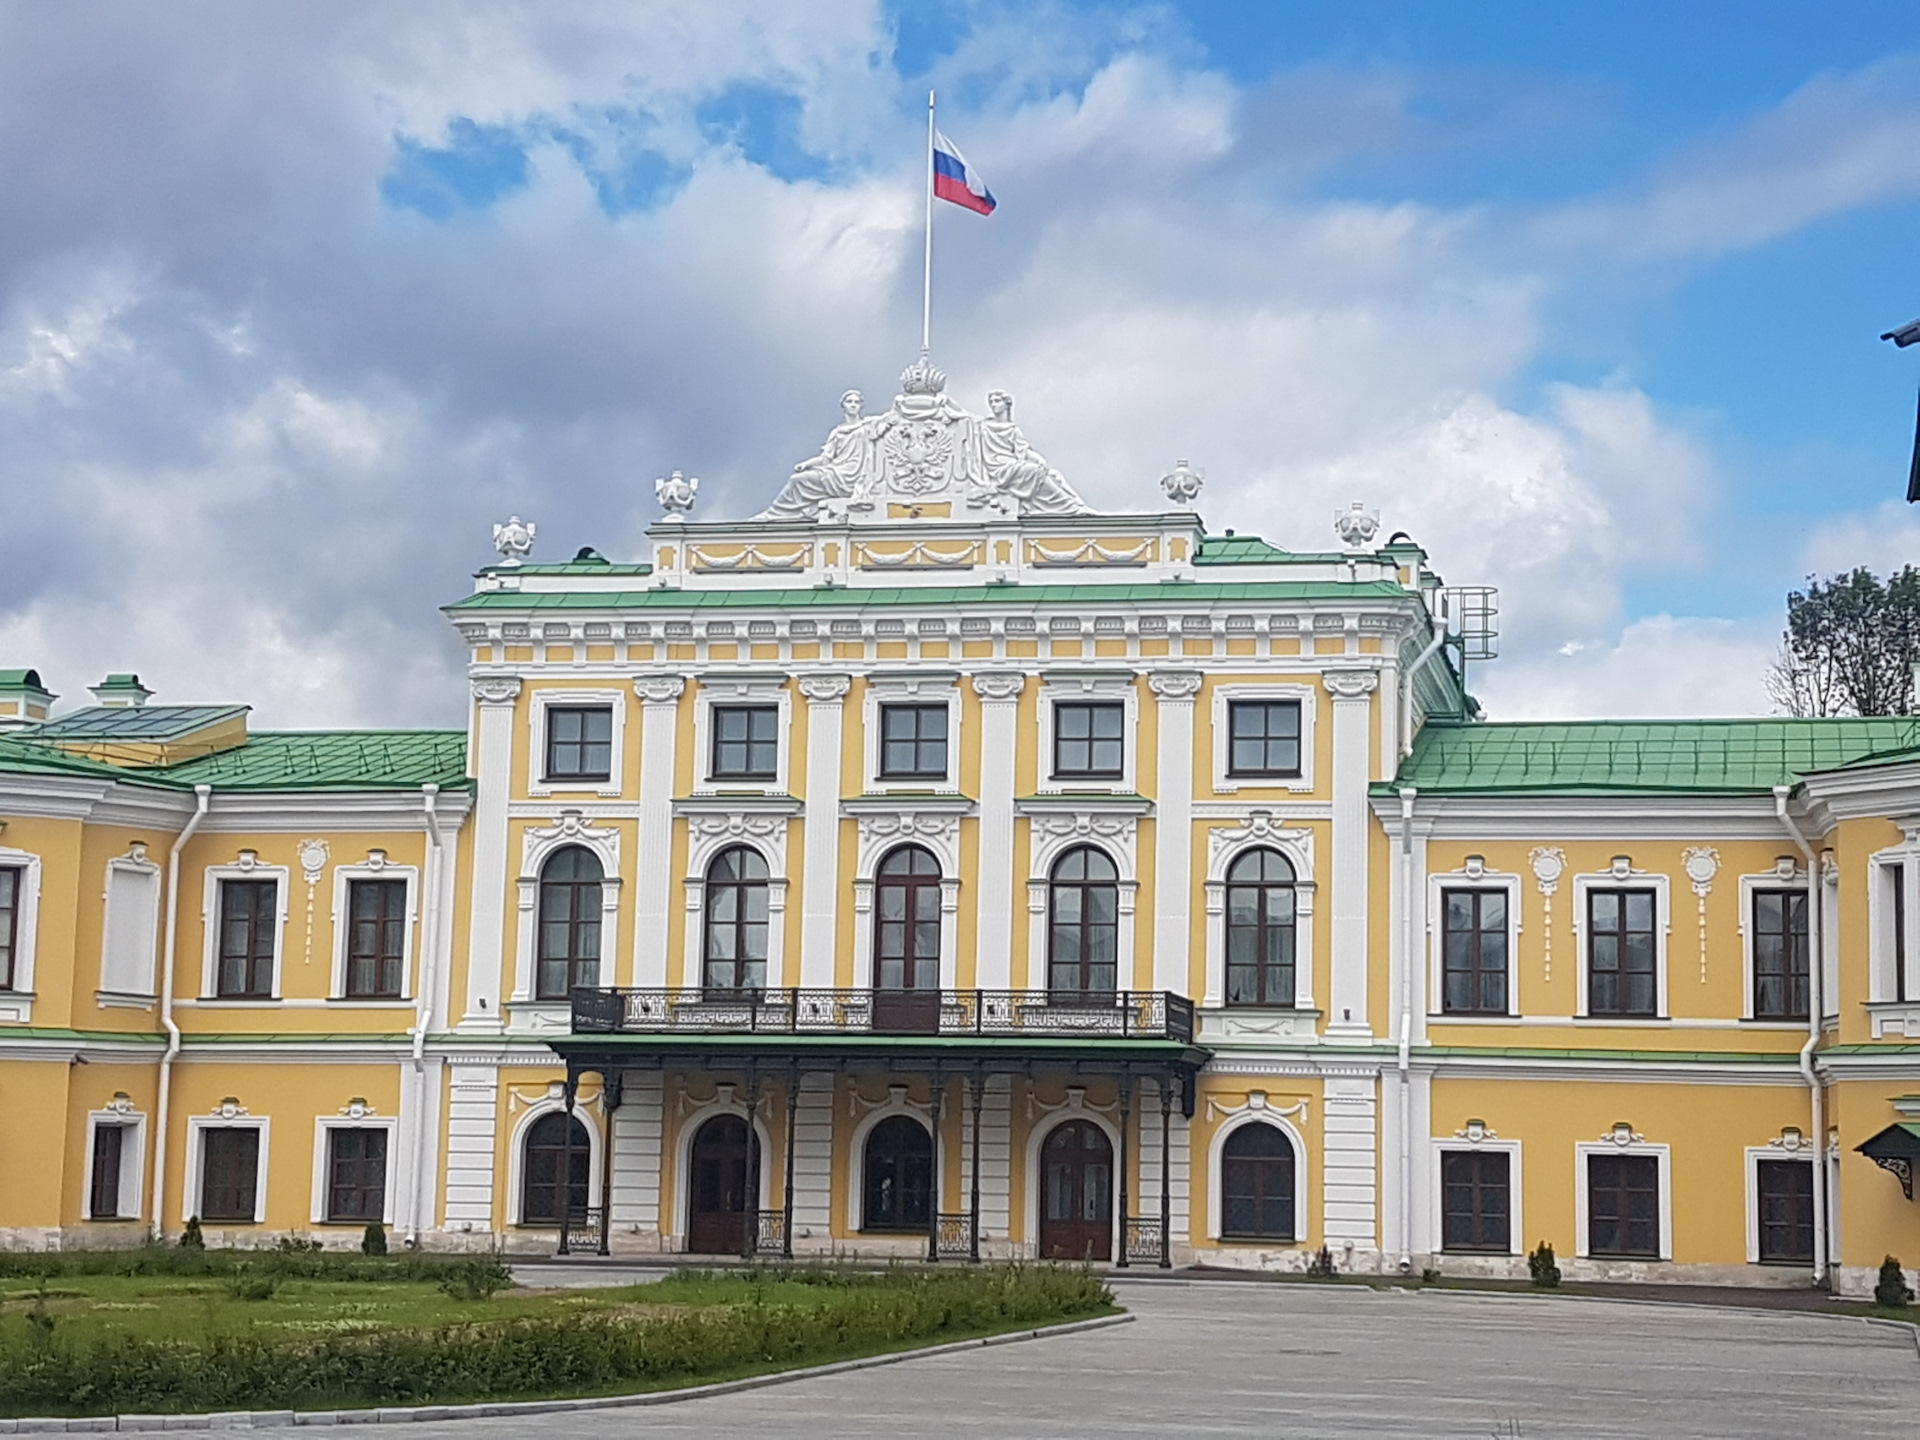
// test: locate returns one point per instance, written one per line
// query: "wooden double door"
(1076, 1198)
(725, 1165)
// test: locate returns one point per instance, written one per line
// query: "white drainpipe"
(423, 1011)
(1816, 1006)
(1407, 795)
(203, 799)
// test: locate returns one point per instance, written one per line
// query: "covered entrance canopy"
(1895, 1149)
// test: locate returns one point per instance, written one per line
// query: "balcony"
(959, 1014)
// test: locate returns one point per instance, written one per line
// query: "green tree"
(1850, 646)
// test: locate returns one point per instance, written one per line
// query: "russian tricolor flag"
(953, 180)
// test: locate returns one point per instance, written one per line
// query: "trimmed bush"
(191, 1238)
(374, 1241)
(1542, 1266)
(1892, 1290)
(476, 1277)
(1320, 1266)
(296, 1262)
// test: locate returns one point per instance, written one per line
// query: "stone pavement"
(1264, 1359)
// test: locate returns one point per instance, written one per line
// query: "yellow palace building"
(931, 867)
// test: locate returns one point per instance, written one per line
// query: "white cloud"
(1884, 539)
(1658, 666)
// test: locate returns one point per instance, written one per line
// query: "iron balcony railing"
(1009, 1014)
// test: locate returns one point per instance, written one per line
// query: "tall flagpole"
(926, 298)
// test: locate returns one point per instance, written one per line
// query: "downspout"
(1816, 1006)
(423, 1011)
(1411, 674)
(1407, 795)
(203, 799)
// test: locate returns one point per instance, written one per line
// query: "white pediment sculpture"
(924, 451)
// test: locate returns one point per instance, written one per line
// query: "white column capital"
(497, 690)
(825, 689)
(999, 685)
(658, 689)
(1175, 686)
(1350, 685)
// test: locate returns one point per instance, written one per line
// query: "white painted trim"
(370, 869)
(1755, 1154)
(934, 828)
(1036, 1174)
(896, 1103)
(729, 690)
(934, 688)
(1306, 696)
(16, 1002)
(539, 702)
(517, 1154)
(1584, 1150)
(1095, 687)
(197, 1126)
(538, 845)
(1226, 844)
(765, 833)
(146, 941)
(323, 1127)
(1438, 883)
(1903, 861)
(210, 920)
(1794, 879)
(1216, 1175)
(1632, 879)
(1437, 1192)
(133, 1164)
(683, 1161)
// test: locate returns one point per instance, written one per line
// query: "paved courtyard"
(1261, 1359)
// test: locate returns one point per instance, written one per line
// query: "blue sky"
(1586, 297)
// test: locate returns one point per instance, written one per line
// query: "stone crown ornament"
(1356, 526)
(514, 540)
(676, 494)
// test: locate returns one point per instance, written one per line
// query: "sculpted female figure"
(835, 473)
(1013, 467)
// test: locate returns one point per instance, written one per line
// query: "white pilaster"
(996, 1165)
(637, 1130)
(653, 870)
(813, 1164)
(1352, 692)
(999, 693)
(1349, 1184)
(819, 908)
(1179, 1180)
(1173, 829)
(492, 769)
(472, 1123)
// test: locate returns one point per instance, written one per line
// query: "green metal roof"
(331, 760)
(1172, 592)
(21, 756)
(130, 722)
(570, 567)
(1599, 757)
(1238, 550)
(13, 679)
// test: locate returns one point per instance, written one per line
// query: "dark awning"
(1895, 1149)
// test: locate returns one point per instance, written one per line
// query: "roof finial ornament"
(676, 494)
(1182, 484)
(514, 540)
(921, 378)
(1356, 526)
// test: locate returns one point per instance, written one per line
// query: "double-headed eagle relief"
(925, 450)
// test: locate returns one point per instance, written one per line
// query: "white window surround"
(197, 1127)
(1036, 1144)
(932, 688)
(246, 867)
(537, 845)
(886, 826)
(517, 1156)
(748, 689)
(375, 867)
(1787, 1146)
(896, 1103)
(1216, 1172)
(1903, 861)
(718, 824)
(1226, 844)
(1465, 1143)
(1622, 876)
(323, 1129)
(1584, 1151)
(1473, 875)
(130, 930)
(16, 1002)
(1055, 826)
(133, 1161)
(723, 1104)
(1307, 697)
(1785, 875)
(539, 703)
(1110, 686)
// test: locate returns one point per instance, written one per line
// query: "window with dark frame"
(1896, 883)
(554, 1171)
(109, 1142)
(229, 1173)
(1263, 738)
(1257, 1184)
(376, 939)
(1780, 968)
(356, 1174)
(579, 742)
(11, 878)
(736, 917)
(1473, 952)
(249, 917)
(1260, 900)
(1621, 953)
(913, 742)
(1785, 1197)
(1475, 1201)
(1623, 1206)
(906, 921)
(1083, 938)
(1089, 740)
(569, 921)
(746, 742)
(897, 1176)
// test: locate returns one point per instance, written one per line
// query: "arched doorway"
(547, 1153)
(1076, 1197)
(722, 1165)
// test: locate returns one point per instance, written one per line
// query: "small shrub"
(1321, 1266)
(40, 1320)
(246, 1283)
(191, 1238)
(1544, 1269)
(478, 1277)
(1892, 1290)
(374, 1240)
(1430, 1276)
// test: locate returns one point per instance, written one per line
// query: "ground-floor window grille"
(229, 1172)
(356, 1174)
(1623, 1206)
(1476, 1200)
(1784, 1193)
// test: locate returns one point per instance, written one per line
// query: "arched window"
(1260, 929)
(736, 918)
(543, 1161)
(569, 923)
(906, 921)
(1256, 1184)
(899, 1175)
(1083, 941)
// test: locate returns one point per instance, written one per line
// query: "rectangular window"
(1263, 737)
(1893, 880)
(249, 912)
(1779, 954)
(229, 1172)
(1623, 1205)
(1785, 1196)
(746, 742)
(1474, 1201)
(1473, 952)
(579, 742)
(1087, 740)
(104, 1202)
(376, 938)
(913, 742)
(1620, 952)
(132, 927)
(356, 1174)
(10, 880)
